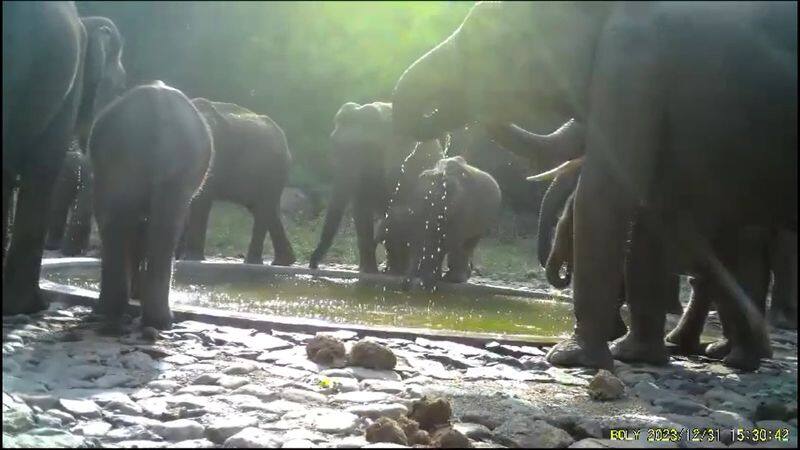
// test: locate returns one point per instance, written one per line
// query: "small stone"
(302, 396)
(141, 444)
(771, 410)
(390, 387)
(326, 420)
(239, 369)
(47, 420)
(154, 407)
(93, 428)
(180, 359)
(386, 430)
(730, 419)
(193, 443)
(134, 432)
(179, 430)
(252, 437)
(361, 397)
(473, 430)
(449, 438)
(372, 356)
(43, 401)
(325, 350)
(150, 334)
(202, 389)
(221, 429)
(163, 385)
(112, 380)
(66, 418)
(351, 442)
(258, 391)
(363, 373)
(298, 443)
(80, 408)
(606, 386)
(430, 413)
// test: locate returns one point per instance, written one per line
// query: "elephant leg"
(118, 235)
(783, 253)
(622, 137)
(63, 196)
(333, 217)
(79, 227)
(23, 264)
(282, 248)
(362, 215)
(397, 259)
(199, 211)
(686, 335)
(647, 288)
(165, 222)
(137, 260)
(458, 262)
(255, 250)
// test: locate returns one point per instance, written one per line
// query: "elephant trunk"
(561, 253)
(428, 98)
(558, 196)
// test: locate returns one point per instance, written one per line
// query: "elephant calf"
(452, 207)
(150, 151)
(251, 167)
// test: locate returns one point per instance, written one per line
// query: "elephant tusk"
(552, 173)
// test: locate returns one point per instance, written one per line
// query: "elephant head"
(502, 61)
(104, 77)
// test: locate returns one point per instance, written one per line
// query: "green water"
(346, 301)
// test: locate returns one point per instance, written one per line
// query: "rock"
(302, 396)
(632, 378)
(606, 386)
(239, 369)
(298, 443)
(66, 418)
(232, 382)
(386, 430)
(372, 356)
(334, 385)
(80, 408)
(361, 397)
(154, 407)
(179, 430)
(681, 405)
(130, 433)
(430, 413)
(600, 426)
(325, 350)
(193, 443)
(57, 439)
(390, 387)
(771, 410)
(180, 359)
(43, 401)
(725, 399)
(526, 432)
(163, 385)
(450, 438)
(150, 334)
(18, 420)
(252, 437)
(473, 430)
(92, 428)
(113, 380)
(326, 420)
(222, 428)
(385, 445)
(648, 391)
(202, 389)
(47, 420)
(137, 361)
(374, 411)
(363, 373)
(350, 442)
(258, 391)
(730, 419)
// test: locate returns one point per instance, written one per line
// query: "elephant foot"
(19, 301)
(313, 265)
(743, 359)
(52, 244)
(158, 320)
(682, 344)
(783, 319)
(630, 348)
(284, 260)
(254, 260)
(574, 352)
(718, 349)
(455, 277)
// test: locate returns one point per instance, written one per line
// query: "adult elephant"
(675, 98)
(150, 150)
(452, 207)
(103, 80)
(43, 44)
(372, 166)
(251, 167)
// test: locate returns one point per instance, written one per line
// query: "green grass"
(230, 227)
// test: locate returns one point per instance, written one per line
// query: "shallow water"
(347, 301)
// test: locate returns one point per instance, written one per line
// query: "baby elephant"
(150, 151)
(452, 207)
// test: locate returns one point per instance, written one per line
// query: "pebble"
(526, 432)
(80, 408)
(606, 386)
(222, 428)
(179, 430)
(252, 437)
(374, 411)
(361, 397)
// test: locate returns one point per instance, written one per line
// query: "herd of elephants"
(678, 156)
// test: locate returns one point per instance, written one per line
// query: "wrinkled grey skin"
(251, 167)
(452, 207)
(150, 150)
(667, 149)
(104, 79)
(367, 158)
(43, 44)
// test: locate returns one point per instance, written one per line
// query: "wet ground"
(201, 385)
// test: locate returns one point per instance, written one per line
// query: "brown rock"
(449, 438)
(372, 356)
(325, 350)
(431, 413)
(419, 437)
(386, 430)
(409, 426)
(606, 386)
